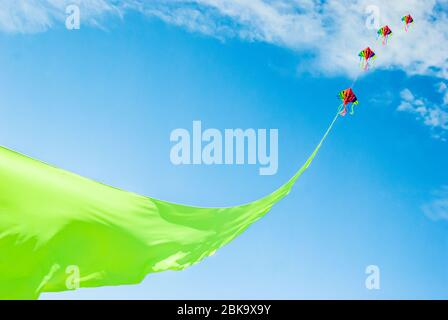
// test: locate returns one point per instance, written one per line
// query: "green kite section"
(60, 231)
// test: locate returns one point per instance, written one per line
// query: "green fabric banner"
(60, 231)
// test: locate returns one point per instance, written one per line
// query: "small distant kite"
(408, 20)
(366, 56)
(384, 33)
(348, 98)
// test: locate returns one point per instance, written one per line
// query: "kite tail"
(60, 231)
(363, 64)
(388, 37)
(342, 110)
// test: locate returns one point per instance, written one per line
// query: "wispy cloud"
(437, 209)
(443, 89)
(30, 16)
(429, 113)
(333, 31)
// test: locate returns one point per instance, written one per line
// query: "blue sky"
(102, 102)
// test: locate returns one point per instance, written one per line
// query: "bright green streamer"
(60, 231)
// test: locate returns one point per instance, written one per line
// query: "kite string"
(316, 150)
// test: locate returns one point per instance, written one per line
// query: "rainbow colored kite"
(366, 56)
(385, 33)
(348, 99)
(408, 20)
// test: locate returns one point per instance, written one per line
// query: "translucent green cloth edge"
(60, 231)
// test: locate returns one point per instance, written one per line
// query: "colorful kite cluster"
(347, 96)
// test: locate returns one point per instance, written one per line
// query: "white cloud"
(443, 88)
(437, 209)
(333, 31)
(431, 114)
(407, 95)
